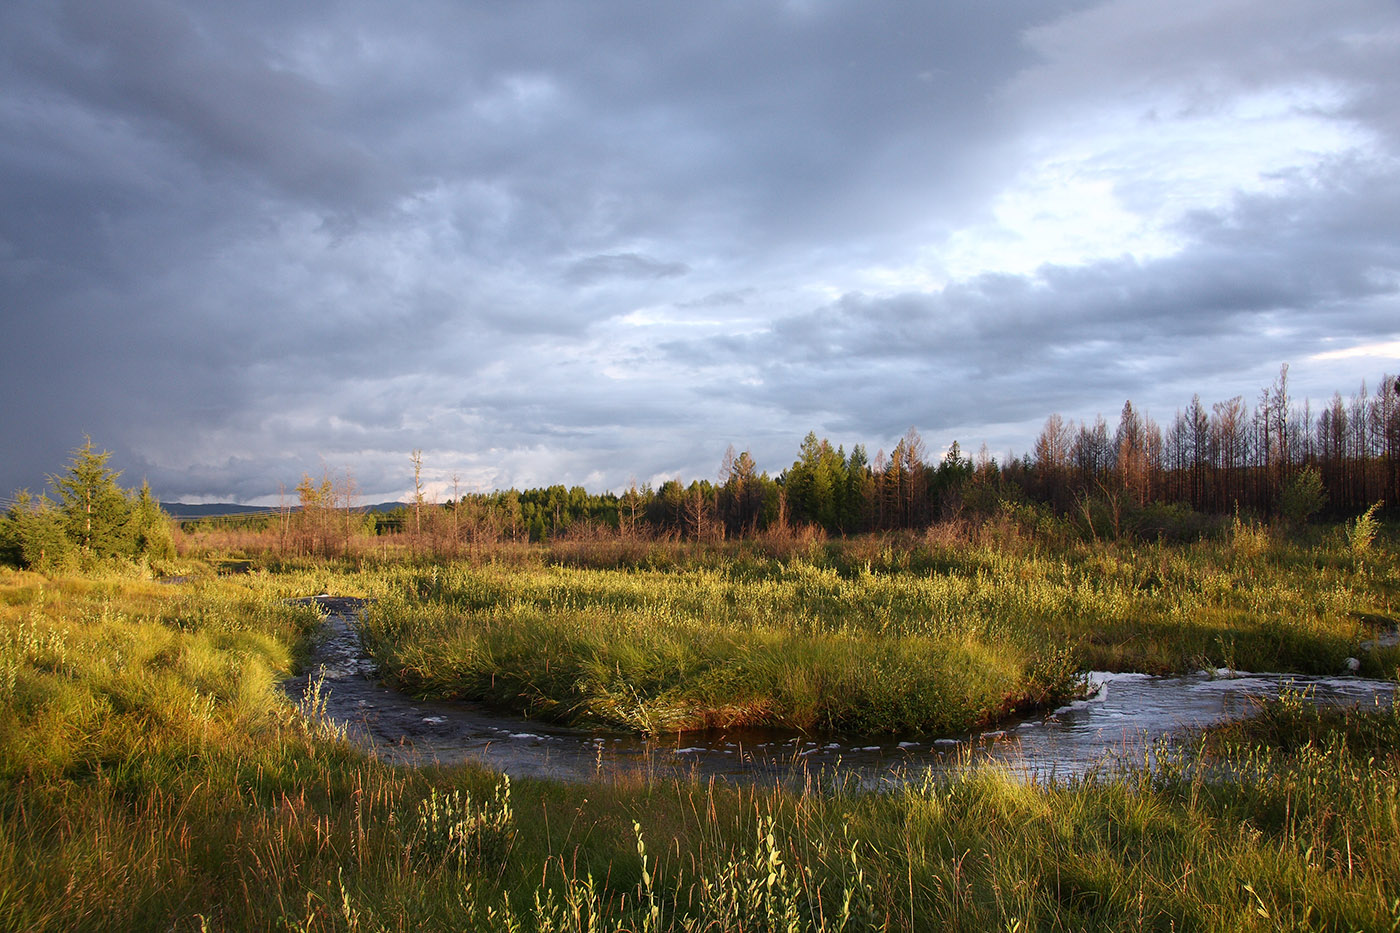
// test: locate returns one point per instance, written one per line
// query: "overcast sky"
(582, 242)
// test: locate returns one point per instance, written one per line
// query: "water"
(1122, 715)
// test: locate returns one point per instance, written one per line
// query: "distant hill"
(184, 512)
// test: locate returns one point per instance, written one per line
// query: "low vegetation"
(936, 635)
(153, 776)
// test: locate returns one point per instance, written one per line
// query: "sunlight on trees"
(92, 520)
(1274, 464)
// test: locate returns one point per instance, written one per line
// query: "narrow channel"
(1122, 715)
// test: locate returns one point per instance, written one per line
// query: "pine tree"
(34, 534)
(97, 513)
(860, 490)
(150, 526)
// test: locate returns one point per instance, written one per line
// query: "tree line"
(1274, 460)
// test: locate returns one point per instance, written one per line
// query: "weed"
(454, 827)
(1361, 533)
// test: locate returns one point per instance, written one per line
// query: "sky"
(595, 242)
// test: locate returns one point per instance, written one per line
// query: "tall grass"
(153, 775)
(663, 651)
(861, 636)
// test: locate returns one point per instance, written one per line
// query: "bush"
(33, 534)
(453, 826)
(1302, 498)
(1174, 521)
(1361, 534)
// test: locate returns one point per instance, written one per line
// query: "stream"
(1119, 720)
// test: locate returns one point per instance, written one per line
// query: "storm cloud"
(581, 243)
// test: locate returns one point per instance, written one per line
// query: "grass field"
(936, 638)
(154, 776)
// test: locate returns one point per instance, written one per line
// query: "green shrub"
(1302, 497)
(1361, 534)
(454, 827)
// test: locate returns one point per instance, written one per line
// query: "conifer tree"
(150, 526)
(97, 513)
(860, 491)
(34, 535)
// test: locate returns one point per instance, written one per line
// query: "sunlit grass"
(956, 637)
(154, 776)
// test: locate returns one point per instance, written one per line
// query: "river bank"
(963, 638)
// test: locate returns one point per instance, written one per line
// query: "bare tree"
(1090, 454)
(1230, 441)
(284, 510)
(1052, 456)
(317, 501)
(456, 513)
(348, 494)
(699, 514)
(1136, 453)
(417, 459)
(627, 509)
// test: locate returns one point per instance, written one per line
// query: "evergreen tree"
(92, 519)
(150, 526)
(815, 484)
(954, 472)
(741, 498)
(860, 491)
(665, 511)
(96, 512)
(34, 533)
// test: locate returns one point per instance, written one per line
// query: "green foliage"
(97, 512)
(1248, 539)
(1302, 497)
(93, 520)
(453, 826)
(1174, 521)
(35, 534)
(816, 484)
(1361, 534)
(151, 533)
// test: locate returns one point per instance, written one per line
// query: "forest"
(1274, 461)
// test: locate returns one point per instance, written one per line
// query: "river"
(1120, 718)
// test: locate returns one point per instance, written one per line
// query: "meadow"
(153, 774)
(937, 635)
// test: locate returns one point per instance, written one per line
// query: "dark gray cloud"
(623, 266)
(562, 242)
